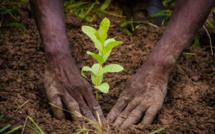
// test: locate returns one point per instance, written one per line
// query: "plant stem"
(97, 97)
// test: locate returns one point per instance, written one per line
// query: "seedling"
(104, 47)
(10, 12)
(163, 13)
(134, 25)
(88, 10)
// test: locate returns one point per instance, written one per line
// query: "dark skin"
(63, 82)
(143, 94)
(146, 90)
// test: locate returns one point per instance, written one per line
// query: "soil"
(188, 107)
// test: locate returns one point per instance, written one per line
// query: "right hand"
(64, 84)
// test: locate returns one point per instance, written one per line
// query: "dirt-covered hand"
(65, 85)
(141, 99)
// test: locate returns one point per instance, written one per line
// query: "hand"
(141, 99)
(64, 84)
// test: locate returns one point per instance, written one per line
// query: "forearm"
(188, 16)
(50, 22)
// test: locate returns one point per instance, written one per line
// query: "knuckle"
(51, 89)
(132, 115)
(55, 100)
(113, 113)
(136, 101)
(73, 104)
(124, 98)
(141, 108)
(96, 107)
(123, 115)
(87, 113)
(152, 110)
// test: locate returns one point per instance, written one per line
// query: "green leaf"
(104, 87)
(97, 57)
(162, 13)
(166, 2)
(90, 32)
(35, 124)
(105, 57)
(108, 41)
(103, 29)
(34, 129)
(185, 53)
(4, 128)
(14, 129)
(18, 25)
(112, 68)
(76, 5)
(1, 116)
(99, 79)
(89, 10)
(211, 24)
(105, 5)
(104, 25)
(110, 46)
(93, 78)
(98, 71)
(158, 130)
(86, 68)
(128, 32)
(123, 24)
(196, 41)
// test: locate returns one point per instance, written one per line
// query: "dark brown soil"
(188, 108)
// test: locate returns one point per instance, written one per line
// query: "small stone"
(195, 77)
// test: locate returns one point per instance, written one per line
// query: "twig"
(24, 103)
(24, 125)
(210, 41)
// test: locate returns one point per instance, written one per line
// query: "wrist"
(56, 48)
(161, 62)
(56, 56)
(167, 51)
(56, 53)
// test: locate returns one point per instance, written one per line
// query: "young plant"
(8, 10)
(104, 46)
(88, 10)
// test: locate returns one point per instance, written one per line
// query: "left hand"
(141, 99)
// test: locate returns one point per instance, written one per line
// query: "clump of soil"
(188, 108)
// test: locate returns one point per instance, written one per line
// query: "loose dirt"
(188, 107)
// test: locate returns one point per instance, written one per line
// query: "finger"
(73, 107)
(121, 118)
(117, 109)
(94, 106)
(56, 106)
(53, 96)
(85, 110)
(149, 115)
(134, 116)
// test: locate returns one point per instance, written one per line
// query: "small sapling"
(104, 46)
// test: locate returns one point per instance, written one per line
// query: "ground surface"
(188, 107)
